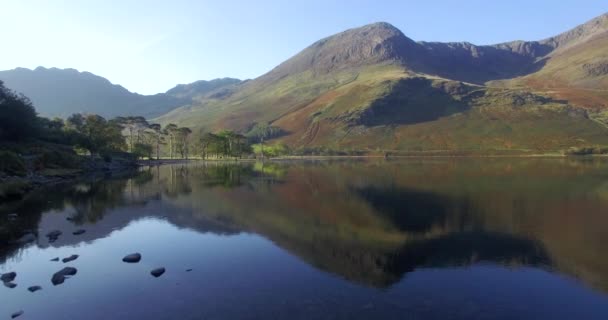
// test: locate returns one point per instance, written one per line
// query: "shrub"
(582, 151)
(11, 163)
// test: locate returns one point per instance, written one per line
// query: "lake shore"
(346, 157)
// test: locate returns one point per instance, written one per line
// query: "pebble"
(8, 277)
(53, 235)
(55, 259)
(16, 314)
(79, 232)
(70, 258)
(157, 272)
(60, 276)
(10, 285)
(132, 258)
(34, 288)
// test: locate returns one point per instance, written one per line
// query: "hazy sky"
(149, 46)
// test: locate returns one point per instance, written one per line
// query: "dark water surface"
(410, 239)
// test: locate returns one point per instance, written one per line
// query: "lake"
(492, 238)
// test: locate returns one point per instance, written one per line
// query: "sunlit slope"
(577, 70)
(373, 89)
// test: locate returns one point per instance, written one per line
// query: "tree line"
(94, 135)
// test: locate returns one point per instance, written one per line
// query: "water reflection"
(370, 222)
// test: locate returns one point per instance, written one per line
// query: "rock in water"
(53, 235)
(132, 258)
(60, 276)
(70, 258)
(157, 272)
(10, 285)
(34, 288)
(16, 314)
(79, 232)
(8, 277)
(188, 270)
(55, 259)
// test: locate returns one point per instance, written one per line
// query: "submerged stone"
(70, 258)
(17, 314)
(55, 259)
(34, 288)
(157, 272)
(60, 276)
(132, 258)
(8, 277)
(79, 232)
(10, 285)
(53, 235)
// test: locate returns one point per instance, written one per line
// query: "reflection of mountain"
(371, 222)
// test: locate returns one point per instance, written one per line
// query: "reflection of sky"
(246, 276)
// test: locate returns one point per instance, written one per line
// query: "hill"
(62, 92)
(373, 88)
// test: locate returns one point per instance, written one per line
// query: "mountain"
(373, 88)
(62, 92)
(198, 89)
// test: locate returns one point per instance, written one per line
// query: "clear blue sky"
(149, 46)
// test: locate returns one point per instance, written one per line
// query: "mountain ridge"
(62, 92)
(373, 87)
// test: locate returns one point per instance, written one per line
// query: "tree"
(142, 150)
(135, 126)
(95, 133)
(158, 133)
(170, 130)
(182, 136)
(18, 118)
(207, 142)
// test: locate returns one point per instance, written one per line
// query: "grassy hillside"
(373, 89)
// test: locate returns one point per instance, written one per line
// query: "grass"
(382, 108)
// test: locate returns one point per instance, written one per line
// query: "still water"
(373, 239)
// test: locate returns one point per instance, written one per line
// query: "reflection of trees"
(373, 222)
(90, 199)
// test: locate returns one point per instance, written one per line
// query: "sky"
(150, 46)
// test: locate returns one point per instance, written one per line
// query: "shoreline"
(392, 157)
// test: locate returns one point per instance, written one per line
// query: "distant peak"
(580, 33)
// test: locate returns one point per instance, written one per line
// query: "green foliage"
(264, 131)
(17, 116)
(95, 133)
(142, 150)
(11, 163)
(55, 158)
(271, 150)
(223, 144)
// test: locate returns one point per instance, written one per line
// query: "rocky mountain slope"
(372, 88)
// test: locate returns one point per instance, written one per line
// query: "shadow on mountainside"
(415, 100)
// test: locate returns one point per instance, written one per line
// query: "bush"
(56, 158)
(12, 164)
(14, 189)
(583, 151)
